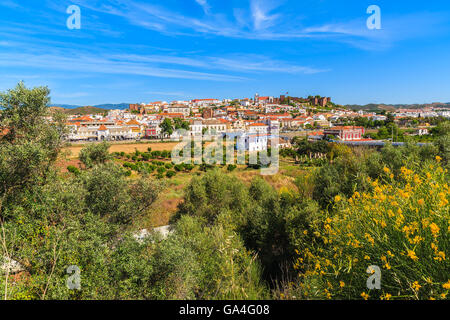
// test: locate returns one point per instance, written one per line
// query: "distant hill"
(392, 107)
(108, 106)
(86, 110)
(80, 110)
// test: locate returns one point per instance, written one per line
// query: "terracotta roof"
(133, 123)
(84, 118)
(257, 125)
(173, 114)
(102, 128)
(345, 128)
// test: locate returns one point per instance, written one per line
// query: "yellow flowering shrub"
(402, 226)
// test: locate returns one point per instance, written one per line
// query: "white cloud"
(89, 63)
(261, 14)
(205, 5)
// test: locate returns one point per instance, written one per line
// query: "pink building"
(347, 133)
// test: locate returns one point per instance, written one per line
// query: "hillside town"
(259, 118)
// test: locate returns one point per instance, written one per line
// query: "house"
(258, 128)
(178, 108)
(196, 127)
(215, 126)
(100, 133)
(256, 142)
(152, 132)
(205, 102)
(345, 133)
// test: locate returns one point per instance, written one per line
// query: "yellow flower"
(434, 229)
(440, 256)
(387, 296)
(438, 159)
(387, 266)
(416, 286)
(369, 238)
(366, 258)
(341, 284)
(385, 169)
(365, 296)
(412, 255)
(337, 198)
(421, 202)
(446, 285)
(390, 213)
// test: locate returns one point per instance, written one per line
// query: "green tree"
(95, 154)
(166, 127)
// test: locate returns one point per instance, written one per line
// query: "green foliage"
(170, 174)
(73, 170)
(31, 144)
(167, 127)
(95, 154)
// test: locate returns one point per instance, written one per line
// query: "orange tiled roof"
(346, 128)
(257, 125)
(133, 123)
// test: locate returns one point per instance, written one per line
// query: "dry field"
(125, 147)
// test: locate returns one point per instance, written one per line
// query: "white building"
(257, 137)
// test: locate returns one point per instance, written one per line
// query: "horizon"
(100, 105)
(136, 51)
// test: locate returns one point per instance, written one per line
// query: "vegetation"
(312, 238)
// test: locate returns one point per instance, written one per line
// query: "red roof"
(345, 128)
(133, 123)
(257, 125)
(84, 118)
(102, 128)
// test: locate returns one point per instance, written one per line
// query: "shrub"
(166, 154)
(94, 154)
(231, 167)
(168, 165)
(402, 226)
(156, 154)
(179, 167)
(73, 170)
(161, 170)
(170, 174)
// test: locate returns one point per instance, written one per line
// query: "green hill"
(81, 110)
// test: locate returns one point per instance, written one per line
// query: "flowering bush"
(402, 226)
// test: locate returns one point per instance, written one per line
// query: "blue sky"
(142, 51)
